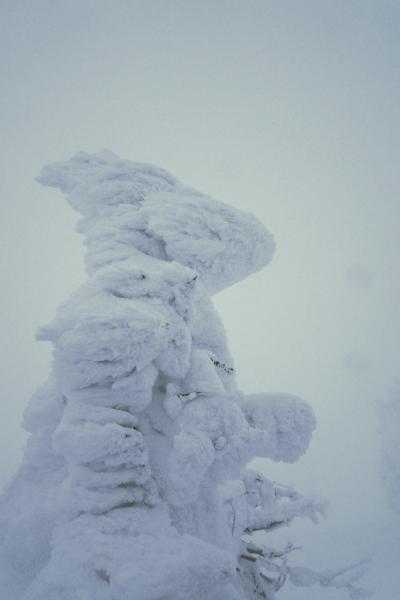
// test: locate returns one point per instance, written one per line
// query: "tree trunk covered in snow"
(134, 483)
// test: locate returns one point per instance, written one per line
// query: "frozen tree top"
(150, 210)
(135, 482)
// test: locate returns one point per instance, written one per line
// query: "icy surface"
(134, 483)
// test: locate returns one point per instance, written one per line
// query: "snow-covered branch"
(269, 568)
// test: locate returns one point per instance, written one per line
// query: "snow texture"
(134, 483)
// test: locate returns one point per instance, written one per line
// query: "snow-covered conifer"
(134, 484)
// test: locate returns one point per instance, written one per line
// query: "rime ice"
(134, 483)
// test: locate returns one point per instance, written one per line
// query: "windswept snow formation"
(134, 483)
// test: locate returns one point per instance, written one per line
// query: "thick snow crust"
(134, 483)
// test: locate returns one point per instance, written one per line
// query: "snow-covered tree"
(134, 484)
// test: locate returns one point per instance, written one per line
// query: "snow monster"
(134, 483)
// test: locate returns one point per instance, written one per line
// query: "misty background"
(287, 109)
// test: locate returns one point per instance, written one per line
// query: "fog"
(287, 109)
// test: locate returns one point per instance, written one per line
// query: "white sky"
(288, 109)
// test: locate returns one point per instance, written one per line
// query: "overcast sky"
(287, 109)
